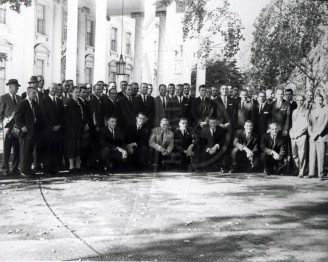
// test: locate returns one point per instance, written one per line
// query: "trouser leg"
(7, 144)
(302, 148)
(321, 151)
(312, 158)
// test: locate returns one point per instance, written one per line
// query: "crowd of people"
(97, 128)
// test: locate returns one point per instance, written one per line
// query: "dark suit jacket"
(281, 116)
(141, 137)
(96, 111)
(24, 117)
(160, 111)
(127, 115)
(87, 116)
(244, 114)
(185, 109)
(182, 142)
(106, 139)
(108, 107)
(53, 114)
(262, 119)
(173, 111)
(39, 99)
(229, 114)
(201, 112)
(241, 141)
(207, 141)
(147, 107)
(7, 109)
(66, 99)
(279, 147)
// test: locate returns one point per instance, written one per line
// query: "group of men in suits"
(223, 128)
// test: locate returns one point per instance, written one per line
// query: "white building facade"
(82, 40)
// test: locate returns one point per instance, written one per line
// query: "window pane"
(128, 43)
(39, 67)
(40, 19)
(89, 35)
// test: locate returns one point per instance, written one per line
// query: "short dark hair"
(201, 86)
(141, 113)
(249, 122)
(183, 118)
(159, 87)
(111, 116)
(83, 87)
(186, 84)
(280, 88)
(289, 90)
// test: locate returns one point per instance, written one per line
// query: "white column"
(201, 71)
(100, 43)
(29, 41)
(81, 44)
(56, 42)
(71, 43)
(162, 48)
(138, 48)
(186, 61)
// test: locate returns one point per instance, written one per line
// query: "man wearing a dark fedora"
(8, 104)
(34, 83)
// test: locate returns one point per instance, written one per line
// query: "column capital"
(85, 10)
(139, 14)
(160, 13)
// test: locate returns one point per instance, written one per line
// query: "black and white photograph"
(164, 130)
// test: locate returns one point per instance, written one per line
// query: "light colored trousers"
(299, 150)
(317, 155)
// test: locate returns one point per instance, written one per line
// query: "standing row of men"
(226, 130)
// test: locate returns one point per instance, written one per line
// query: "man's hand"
(130, 150)
(55, 128)
(275, 155)
(24, 129)
(165, 152)
(249, 153)
(284, 133)
(97, 128)
(203, 124)
(124, 153)
(225, 126)
(86, 128)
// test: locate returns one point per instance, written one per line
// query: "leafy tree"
(212, 18)
(16, 4)
(224, 72)
(286, 32)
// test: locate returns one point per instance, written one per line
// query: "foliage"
(285, 33)
(223, 72)
(3, 57)
(16, 4)
(210, 20)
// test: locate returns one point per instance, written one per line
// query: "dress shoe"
(25, 175)
(224, 170)
(321, 178)
(300, 176)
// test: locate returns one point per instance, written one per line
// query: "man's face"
(202, 91)
(235, 91)
(32, 94)
(98, 90)
(309, 96)
(111, 85)
(41, 82)
(243, 96)
(129, 90)
(299, 101)
(162, 91)
(319, 100)
(280, 95)
(71, 85)
(208, 92)
(59, 92)
(214, 91)
(268, 93)
(135, 89)
(212, 123)
(186, 90)
(113, 94)
(183, 124)
(164, 125)
(112, 122)
(248, 127)
(65, 87)
(144, 89)
(179, 90)
(224, 90)
(171, 90)
(230, 90)
(13, 89)
(141, 119)
(273, 130)
(289, 96)
(250, 92)
(34, 84)
(150, 89)
(53, 89)
(123, 86)
(84, 93)
(261, 97)
(76, 93)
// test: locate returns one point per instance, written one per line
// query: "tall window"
(88, 75)
(39, 68)
(2, 77)
(113, 45)
(89, 40)
(63, 68)
(64, 31)
(2, 16)
(113, 78)
(41, 19)
(128, 43)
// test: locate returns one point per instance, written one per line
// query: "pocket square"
(265, 112)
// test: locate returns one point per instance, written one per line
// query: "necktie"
(308, 106)
(242, 105)
(37, 99)
(261, 108)
(14, 98)
(225, 102)
(80, 108)
(274, 141)
(279, 105)
(33, 111)
(162, 138)
(163, 102)
(113, 134)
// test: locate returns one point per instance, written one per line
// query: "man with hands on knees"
(112, 145)
(161, 143)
